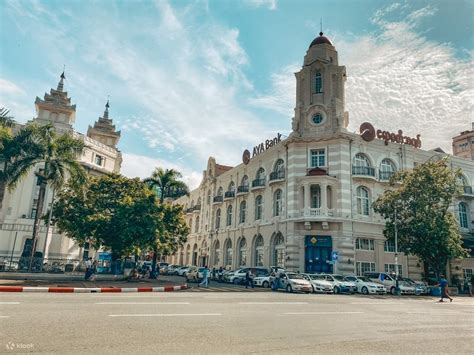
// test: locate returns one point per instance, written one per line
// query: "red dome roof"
(320, 40)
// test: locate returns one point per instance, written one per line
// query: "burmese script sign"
(260, 148)
(368, 133)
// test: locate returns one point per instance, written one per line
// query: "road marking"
(4, 316)
(230, 297)
(377, 303)
(161, 303)
(436, 313)
(167, 315)
(273, 303)
(9, 302)
(311, 313)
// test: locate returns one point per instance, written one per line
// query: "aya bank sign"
(368, 133)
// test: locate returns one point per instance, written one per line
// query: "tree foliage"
(118, 214)
(166, 182)
(421, 200)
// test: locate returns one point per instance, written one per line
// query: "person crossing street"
(205, 275)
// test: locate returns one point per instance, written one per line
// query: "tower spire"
(106, 112)
(321, 26)
(61, 80)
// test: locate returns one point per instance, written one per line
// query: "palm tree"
(5, 119)
(167, 185)
(56, 155)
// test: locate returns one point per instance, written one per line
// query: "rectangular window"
(364, 244)
(318, 158)
(389, 246)
(468, 274)
(363, 267)
(390, 269)
(99, 160)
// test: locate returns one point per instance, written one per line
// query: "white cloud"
(135, 165)
(11, 98)
(397, 79)
(270, 4)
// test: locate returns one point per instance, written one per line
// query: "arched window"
(260, 174)
(243, 252)
(277, 202)
(318, 83)
(315, 196)
(245, 181)
(279, 166)
(196, 227)
(361, 160)
(231, 186)
(218, 218)
(242, 211)
(199, 202)
(387, 169)
(188, 254)
(228, 252)
(362, 166)
(279, 251)
(217, 251)
(258, 207)
(229, 215)
(191, 225)
(363, 201)
(463, 215)
(220, 191)
(259, 251)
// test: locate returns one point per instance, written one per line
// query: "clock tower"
(319, 109)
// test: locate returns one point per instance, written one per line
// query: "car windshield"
(364, 279)
(295, 276)
(339, 277)
(317, 277)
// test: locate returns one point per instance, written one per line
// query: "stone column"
(307, 198)
(324, 199)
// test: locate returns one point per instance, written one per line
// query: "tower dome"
(320, 40)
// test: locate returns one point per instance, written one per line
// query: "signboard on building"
(368, 133)
(260, 148)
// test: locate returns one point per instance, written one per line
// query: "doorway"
(318, 251)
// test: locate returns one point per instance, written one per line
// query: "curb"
(91, 289)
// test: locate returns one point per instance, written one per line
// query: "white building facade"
(294, 202)
(99, 156)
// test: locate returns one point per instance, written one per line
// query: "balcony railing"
(317, 212)
(277, 175)
(229, 194)
(189, 210)
(197, 208)
(243, 189)
(363, 171)
(258, 183)
(385, 175)
(467, 190)
(218, 199)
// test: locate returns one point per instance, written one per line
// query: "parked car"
(195, 274)
(170, 269)
(420, 287)
(291, 282)
(319, 283)
(340, 284)
(238, 276)
(366, 286)
(390, 284)
(182, 270)
(262, 281)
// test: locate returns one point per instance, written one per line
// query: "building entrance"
(318, 251)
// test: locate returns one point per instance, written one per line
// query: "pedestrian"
(443, 284)
(204, 281)
(248, 279)
(88, 269)
(252, 275)
(214, 273)
(93, 272)
(220, 274)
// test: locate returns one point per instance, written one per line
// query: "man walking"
(248, 279)
(88, 269)
(443, 284)
(205, 273)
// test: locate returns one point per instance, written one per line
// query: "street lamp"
(397, 288)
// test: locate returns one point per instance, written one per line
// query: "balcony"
(385, 175)
(277, 176)
(197, 209)
(189, 210)
(218, 199)
(258, 184)
(242, 189)
(467, 190)
(317, 212)
(364, 171)
(229, 194)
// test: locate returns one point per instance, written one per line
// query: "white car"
(389, 282)
(195, 274)
(183, 270)
(319, 283)
(263, 281)
(340, 284)
(366, 286)
(291, 282)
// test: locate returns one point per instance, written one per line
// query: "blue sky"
(190, 79)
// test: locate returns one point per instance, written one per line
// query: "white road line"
(436, 313)
(4, 316)
(311, 313)
(230, 297)
(167, 315)
(273, 303)
(160, 303)
(9, 302)
(378, 303)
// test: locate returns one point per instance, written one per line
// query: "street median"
(92, 289)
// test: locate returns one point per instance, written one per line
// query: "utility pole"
(397, 289)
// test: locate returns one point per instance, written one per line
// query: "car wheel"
(314, 290)
(289, 288)
(393, 290)
(337, 290)
(236, 281)
(365, 290)
(265, 284)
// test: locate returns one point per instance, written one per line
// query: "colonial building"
(463, 144)
(99, 156)
(305, 200)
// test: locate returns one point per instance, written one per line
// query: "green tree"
(55, 155)
(421, 199)
(167, 184)
(5, 119)
(110, 211)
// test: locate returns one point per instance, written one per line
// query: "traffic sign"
(334, 256)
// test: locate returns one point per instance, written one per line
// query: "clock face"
(246, 156)
(317, 118)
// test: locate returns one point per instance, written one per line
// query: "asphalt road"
(233, 322)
